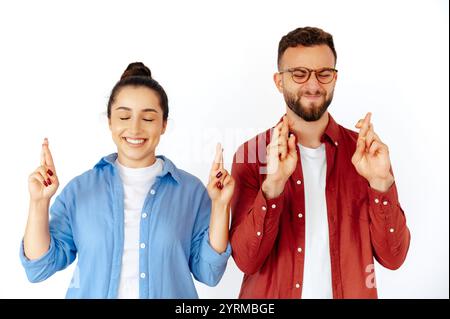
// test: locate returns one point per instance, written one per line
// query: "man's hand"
(281, 160)
(371, 157)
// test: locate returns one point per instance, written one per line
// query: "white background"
(59, 62)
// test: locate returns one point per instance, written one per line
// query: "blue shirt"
(87, 218)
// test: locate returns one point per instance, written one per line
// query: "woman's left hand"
(221, 184)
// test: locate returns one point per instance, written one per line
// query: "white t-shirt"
(317, 268)
(136, 185)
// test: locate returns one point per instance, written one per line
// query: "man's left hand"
(371, 157)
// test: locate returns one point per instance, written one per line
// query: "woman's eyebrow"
(149, 110)
(144, 110)
(123, 108)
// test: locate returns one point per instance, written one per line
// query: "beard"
(311, 112)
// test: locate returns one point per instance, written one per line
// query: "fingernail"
(219, 174)
(45, 183)
(49, 182)
(49, 172)
(219, 185)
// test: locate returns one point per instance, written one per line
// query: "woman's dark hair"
(137, 74)
(308, 37)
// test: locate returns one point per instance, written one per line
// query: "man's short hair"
(308, 37)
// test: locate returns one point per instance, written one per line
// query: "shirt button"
(264, 208)
(391, 230)
(258, 233)
(299, 249)
(385, 203)
(299, 182)
(142, 275)
(376, 200)
(297, 285)
(152, 192)
(142, 245)
(274, 206)
(300, 215)
(144, 215)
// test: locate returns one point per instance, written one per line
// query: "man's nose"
(313, 84)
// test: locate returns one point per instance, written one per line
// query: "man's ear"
(277, 78)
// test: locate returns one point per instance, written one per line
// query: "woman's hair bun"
(136, 69)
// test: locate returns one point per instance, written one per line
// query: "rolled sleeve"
(36, 269)
(212, 257)
(62, 250)
(206, 264)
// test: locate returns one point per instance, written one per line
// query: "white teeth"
(132, 141)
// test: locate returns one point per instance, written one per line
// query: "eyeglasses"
(301, 74)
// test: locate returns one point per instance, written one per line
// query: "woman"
(139, 225)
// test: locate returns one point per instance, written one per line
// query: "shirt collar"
(332, 131)
(169, 167)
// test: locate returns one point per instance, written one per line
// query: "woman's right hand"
(43, 182)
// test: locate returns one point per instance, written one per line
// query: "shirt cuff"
(209, 255)
(268, 206)
(39, 262)
(383, 202)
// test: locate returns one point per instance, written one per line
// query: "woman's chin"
(137, 158)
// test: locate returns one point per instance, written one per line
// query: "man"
(314, 202)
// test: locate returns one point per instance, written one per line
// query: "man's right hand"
(281, 160)
(43, 182)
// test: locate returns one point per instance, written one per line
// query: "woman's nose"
(135, 126)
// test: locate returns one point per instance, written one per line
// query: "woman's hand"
(221, 184)
(220, 190)
(42, 185)
(43, 182)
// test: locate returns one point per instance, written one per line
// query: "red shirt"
(265, 234)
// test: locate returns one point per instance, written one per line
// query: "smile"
(135, 141)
